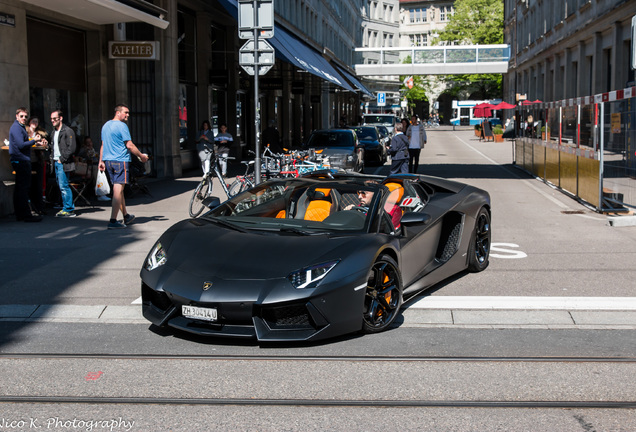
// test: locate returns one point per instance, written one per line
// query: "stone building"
(421, 21)
(566, 49)
(175, 64)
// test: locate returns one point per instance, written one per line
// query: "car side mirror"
(212, 202)
(415, 218)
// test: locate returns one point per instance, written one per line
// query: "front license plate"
(194, 312)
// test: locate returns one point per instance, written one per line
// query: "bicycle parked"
(204, 188)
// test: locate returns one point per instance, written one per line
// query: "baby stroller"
(137, 173)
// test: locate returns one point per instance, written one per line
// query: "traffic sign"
(264, 21)
(381, 99)
(263, 57)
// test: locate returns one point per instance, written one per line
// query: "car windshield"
(383, 130)
(321, 139)
(366, 133)
(301, 206)
(379, 119)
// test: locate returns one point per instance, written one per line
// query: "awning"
(103, 12)
(298, 53)
(294, 51)
(355, 81)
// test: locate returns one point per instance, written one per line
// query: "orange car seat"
(319, 204)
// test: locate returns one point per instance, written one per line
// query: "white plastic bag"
(102, 188)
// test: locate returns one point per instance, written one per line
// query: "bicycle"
(204, 188)
(243, 182)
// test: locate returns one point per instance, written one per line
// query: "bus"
(463, 113)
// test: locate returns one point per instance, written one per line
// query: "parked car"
(388, 120)
(374, 143)
(341, 146)
(308, 258)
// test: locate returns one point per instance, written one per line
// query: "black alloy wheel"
(383, 296)
(480, 243)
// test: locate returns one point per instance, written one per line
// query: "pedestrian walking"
(417, 140)
(399, 151)
(114, 157)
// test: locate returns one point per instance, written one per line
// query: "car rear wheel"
(480, 242)
(383, 296)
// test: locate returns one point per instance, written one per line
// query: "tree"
(418, 92)
(476, 22)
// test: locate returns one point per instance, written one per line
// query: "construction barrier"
(585, 146)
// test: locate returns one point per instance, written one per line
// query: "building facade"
(421, 21)
(567, 49)
(84, 57)
(380, 28)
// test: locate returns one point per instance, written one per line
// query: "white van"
(387, 120)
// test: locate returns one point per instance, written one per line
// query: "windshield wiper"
(300, 231)
(226, 224)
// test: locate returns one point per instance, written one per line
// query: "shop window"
(53, 88)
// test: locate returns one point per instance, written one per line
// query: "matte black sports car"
(314, 257)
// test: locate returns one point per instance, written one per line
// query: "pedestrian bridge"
(435, 60)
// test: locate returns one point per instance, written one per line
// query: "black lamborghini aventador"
(311, 258)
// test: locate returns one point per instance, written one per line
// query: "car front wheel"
(479, 250)
(383, 296)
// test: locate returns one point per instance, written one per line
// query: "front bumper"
(328, 313)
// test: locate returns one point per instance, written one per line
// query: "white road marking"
(136, 302)
(525, 303)
(506, 253)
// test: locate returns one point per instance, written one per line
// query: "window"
(445, 12)
(418, 15)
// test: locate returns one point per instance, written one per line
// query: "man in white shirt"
(417, 139)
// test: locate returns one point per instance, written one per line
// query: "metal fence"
(584, 146)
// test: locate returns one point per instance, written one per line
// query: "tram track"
(325, 403)
(338, 395)
(330, 358)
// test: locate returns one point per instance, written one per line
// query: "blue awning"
(355, 81)
(294, 51)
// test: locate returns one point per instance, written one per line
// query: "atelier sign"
(7, 19)
(133, 50)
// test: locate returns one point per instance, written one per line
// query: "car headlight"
(349, 158)
(309, 277)
(156, 258)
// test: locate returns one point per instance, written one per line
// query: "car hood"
(204, 249)
(370, 142)
(332, 151)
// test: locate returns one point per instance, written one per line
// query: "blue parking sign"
(381, 99)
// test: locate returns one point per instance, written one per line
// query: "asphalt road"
(544, 339)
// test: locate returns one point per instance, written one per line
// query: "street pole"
(257, 113)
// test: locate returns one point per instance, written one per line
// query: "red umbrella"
(503, 105)
(537, 101)
(482, 110)
(527, 102)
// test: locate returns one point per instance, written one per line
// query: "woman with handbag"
(399, 151)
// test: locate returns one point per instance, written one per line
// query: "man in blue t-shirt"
(114, 157)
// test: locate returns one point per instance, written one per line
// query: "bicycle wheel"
(202, 191)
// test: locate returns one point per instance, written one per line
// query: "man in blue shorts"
(114, 157)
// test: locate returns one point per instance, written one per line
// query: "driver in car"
(366, 197)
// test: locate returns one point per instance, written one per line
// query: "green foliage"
(497, 130)
(475, 22)
(418, 92)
